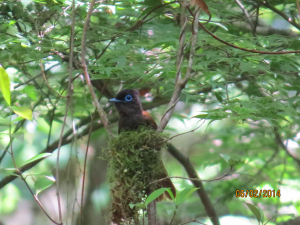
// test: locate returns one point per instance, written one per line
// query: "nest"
(135, 162)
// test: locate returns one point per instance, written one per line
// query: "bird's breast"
(132, 122)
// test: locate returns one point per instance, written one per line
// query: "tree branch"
(85, 70)
(185, 162)
(243, 49)
(246, 14)
(181, 82)
(280, 13)
(279, 141)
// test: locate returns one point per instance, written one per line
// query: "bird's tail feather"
(164, 183)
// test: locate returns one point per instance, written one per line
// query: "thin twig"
(269, 220)
(121, 86)
(181, 82)
(244, 49)
(281, 13)
(18, 126)
(69, 95)
(11, 146)
(103, 51)
(182, 45)
(193, 179)
(50, 126)
(194, 220)
(37, 200)
(256, 21)
(280, 182)
(175, 212)
(298, 8)
(245, 12)
(18, 172)
(190, 131)
(84, 168)
(85, 71)
(57, 158)
(71, 80)
(33, 78)
(85, 157)
(279, 141)
(45, 78)
(171, 107)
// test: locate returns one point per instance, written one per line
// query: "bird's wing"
(149, 120)
(166, 183)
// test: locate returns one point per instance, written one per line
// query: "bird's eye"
(128, 98)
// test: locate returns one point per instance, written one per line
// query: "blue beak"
(114, 100)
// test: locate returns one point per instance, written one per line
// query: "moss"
(134, 163)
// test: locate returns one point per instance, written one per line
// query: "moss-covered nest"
(134, 163)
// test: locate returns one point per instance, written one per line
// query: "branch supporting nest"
(181, 82)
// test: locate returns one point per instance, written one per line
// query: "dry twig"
(86, 73)
(193, 179)
(181, 82)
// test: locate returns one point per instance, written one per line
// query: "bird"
(132, 116)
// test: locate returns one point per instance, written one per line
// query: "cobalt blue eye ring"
(128, 98)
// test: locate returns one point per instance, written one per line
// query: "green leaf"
(229, 160)
(184, 194)
(219, 97)
(5, 85)
(154, 195)
(211, 116)
(148, 10)
(7, 171)
(233, 162)
(108, 70)
(140, 205)
(19, 118)
(4, 121)
(131, 205)
(171, 194)
(37, 157)
(255, 211)
(43, 183)
(94, 19)
(19, 135)
(277, 116)
(262, 215)
(22, 111)
(225, 157)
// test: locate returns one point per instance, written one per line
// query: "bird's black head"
(128, 102)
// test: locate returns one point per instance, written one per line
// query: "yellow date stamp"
(266, 193)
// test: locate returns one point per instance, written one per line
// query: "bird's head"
(128, 102)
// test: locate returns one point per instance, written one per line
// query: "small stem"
(37, 200)
(175, 212)
(193, 179)
(100, 110)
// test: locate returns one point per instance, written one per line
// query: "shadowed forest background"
(232, 80)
